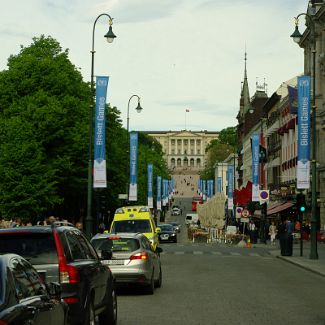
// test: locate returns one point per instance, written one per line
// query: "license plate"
(164, 236)
(113, 262)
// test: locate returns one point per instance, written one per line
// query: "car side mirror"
(54, 289)
(158, 230)
(106, 255)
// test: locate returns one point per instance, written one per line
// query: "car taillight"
(2, 322)
(68, 273)
(140, 256)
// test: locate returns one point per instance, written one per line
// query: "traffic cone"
(249, 244)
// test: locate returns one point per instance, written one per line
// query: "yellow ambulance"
(136, 219)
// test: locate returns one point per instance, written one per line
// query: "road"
(219, 284)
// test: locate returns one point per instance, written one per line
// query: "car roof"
(35, 229)
(120, 234)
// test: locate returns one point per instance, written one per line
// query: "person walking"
(272, 232)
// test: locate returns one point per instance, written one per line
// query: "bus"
(195, 201)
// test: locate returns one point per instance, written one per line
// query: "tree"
(219, 149)
(44, 111)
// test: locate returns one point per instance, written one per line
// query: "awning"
(280, 208)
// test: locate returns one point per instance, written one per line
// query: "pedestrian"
(281, 234)
(272, 232)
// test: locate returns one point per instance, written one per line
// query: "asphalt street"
(220, 284)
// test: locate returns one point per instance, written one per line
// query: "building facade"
(184, 151)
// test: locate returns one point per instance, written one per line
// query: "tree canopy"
(44, 132)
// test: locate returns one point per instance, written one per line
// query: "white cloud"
(173, 54)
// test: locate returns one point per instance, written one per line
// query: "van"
(134, 219)
(191, 218)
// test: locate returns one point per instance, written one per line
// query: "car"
(176, 226)
(167, 233)
(191, 218)
(176, 211)
(131, 259)
(135, 219)
(24, 298)
(61, 253)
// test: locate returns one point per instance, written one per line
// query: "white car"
(176, 211)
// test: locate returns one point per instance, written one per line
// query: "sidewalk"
(315, 266)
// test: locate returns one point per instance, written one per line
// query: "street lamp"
(138, 109)
(314, 219)
(109, 37)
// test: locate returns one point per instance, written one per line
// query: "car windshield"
(132, 226)
(166, 227)
(37, 248)
(116, 244)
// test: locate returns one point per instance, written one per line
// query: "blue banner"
(100, 180)
(150, 192)
(303, 166)
(133, 190)
(230, 177)
(219, 184)
(255, 167)
(204, 189)
(158, 192)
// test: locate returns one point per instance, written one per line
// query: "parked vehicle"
(191, 218)
(176, 226)
(63, 254)
(136, 219)
(167, 233)
(24, 298)
(131, 259)
(195, 201)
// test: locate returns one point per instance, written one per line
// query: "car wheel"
(159, 281)
(151, 287)
(90, 314)
(109, 316)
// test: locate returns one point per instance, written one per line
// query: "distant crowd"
(18, 222)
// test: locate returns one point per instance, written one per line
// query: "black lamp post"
(314, 218)
(138, 109)
(110, 37)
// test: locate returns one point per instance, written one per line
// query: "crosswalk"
(212, 250)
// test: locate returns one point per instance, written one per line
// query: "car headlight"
(173, 235)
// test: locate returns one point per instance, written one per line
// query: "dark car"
(24, 299)
(167, 233)
(62, 254)
(176, 226)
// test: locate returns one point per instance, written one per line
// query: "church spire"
(245, 89)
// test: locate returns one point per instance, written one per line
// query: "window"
(76, 251)
(173, 151)
(185, 142)
(172, 142)
(38, 248)
(198, 142)
(192, 142)
(198, 151)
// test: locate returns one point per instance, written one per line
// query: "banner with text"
(150, 192)
(100, 180)
(158, 192)
(133, 190)
(255, 166)
(303, 166)
(230, 177)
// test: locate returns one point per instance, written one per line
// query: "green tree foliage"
(44, 114)
(219, 149)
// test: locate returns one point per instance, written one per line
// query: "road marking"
(254, 254)
(234, 254)
(179, 253)
(197, 252)
(216, 253)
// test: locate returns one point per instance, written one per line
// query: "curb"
(300, 265)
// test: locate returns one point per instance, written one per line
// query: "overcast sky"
(174, 54)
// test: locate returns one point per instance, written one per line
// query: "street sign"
(239, 211)
(264, 196)
(122, 196)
